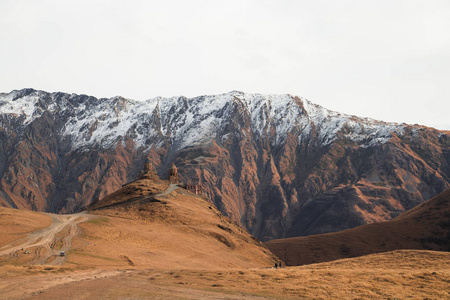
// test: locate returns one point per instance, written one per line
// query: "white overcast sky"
(385, 59)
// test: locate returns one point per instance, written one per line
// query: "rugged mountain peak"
(185, 122)
(277, 164)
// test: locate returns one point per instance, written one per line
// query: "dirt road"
(172, 187)
(45, 245)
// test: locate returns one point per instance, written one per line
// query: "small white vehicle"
(62, 253)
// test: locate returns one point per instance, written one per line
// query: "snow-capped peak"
(185, 122)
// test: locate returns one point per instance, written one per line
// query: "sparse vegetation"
(398, 274)
(98, 220)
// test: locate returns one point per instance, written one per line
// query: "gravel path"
(49, 241)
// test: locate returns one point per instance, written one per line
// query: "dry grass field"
(155, 241)
(402, 274)
(16, 224)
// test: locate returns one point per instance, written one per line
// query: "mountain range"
(279, 165)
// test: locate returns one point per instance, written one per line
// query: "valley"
(425, 227)
(152, 239)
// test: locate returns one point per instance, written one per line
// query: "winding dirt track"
(48, 243)
(45, 245)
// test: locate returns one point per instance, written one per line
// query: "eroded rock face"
(279, 165)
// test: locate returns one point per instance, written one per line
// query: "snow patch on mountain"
(22, 107)
(186, 122)
(365, 131)
(107, 122)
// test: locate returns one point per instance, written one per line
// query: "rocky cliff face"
(279, 165)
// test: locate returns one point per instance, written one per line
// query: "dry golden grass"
(133, 191)
(146, 225)
(178, 230)
(16, 224)
(403, 274)
(398, 274)
(178, 246)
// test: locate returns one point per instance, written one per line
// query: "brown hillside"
(152, 223)
(149, 223)
(167, 254)
(426, 227)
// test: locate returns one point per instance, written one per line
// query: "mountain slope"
(149, 223)
(154, 223)
(277, 164)
(425, 227)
